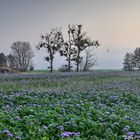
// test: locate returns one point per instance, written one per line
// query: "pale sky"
(115, 23)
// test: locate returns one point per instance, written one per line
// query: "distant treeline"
(76, 48)
(132, 60)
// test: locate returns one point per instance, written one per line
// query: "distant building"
(6, 69)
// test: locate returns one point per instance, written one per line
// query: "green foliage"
(132, 60)
(137, 58)
(129, 62)
(82, 107)
(3, 59)
(11, 61)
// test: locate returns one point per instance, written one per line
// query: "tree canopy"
(52, 42)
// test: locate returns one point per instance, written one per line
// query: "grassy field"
(98, 105)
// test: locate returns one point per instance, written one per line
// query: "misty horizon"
(114, 23)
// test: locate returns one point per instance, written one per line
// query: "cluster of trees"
(20, 57)
(77, 49)
(71, 48)
(132, 60)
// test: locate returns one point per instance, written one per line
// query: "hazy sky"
(115, 23)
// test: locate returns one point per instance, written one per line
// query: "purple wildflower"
(5, 131)
(126, 138)
(66, 134)
(101, 105)
(45, 127)
(131, 134)
(10, 135)
(105, 123)
(69, 134)
(113, 97)
(126, 128)
(137, 137)
(60, 127)
(78, 105)
(17, 118)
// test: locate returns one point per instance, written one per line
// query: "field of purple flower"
(70, 106)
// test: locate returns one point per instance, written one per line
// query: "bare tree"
(89, 59)
(81, 42)
(52, 42)
(23, 55)
(68, 50)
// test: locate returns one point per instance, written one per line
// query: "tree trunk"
(77, 67)
(69, 63)
(78, 61)
(85, 66)
(51, 65)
